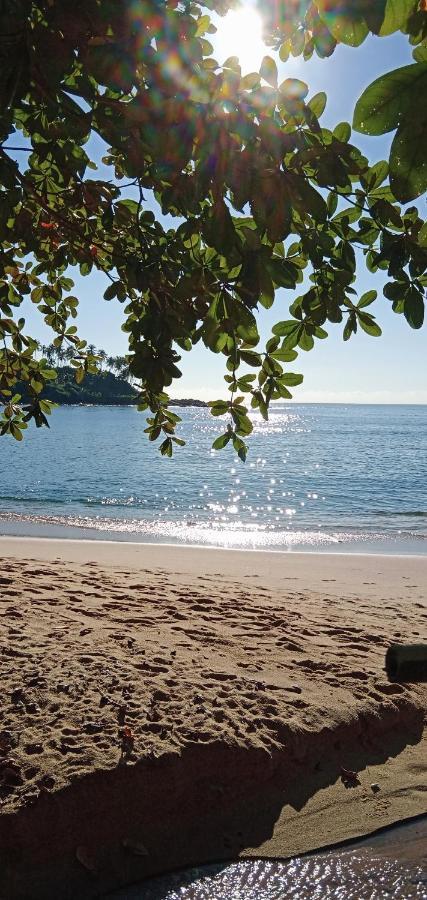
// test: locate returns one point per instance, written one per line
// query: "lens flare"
(240, 34)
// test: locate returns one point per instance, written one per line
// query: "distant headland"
(102, 389)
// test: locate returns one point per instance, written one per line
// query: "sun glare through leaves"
(240, 34)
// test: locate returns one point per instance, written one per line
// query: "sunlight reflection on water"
(315, 476)
(394, 865)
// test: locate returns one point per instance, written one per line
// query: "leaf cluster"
(393, 101)
(257, 198)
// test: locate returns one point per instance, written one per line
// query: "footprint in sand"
(386, 688)
(33, 749)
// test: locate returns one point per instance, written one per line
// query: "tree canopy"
(261, 195)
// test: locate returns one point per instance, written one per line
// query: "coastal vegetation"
(98, 388)
(262, 197)
(112, 384)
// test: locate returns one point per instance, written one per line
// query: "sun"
(239, 34)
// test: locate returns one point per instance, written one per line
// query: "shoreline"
(189, 548)
(372, 574)
(285, 551)
(390, 857)
(167, 706)
(343, 541)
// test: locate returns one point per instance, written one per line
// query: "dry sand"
(164, 706)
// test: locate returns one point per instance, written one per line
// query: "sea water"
(390, 865)
(331, 477)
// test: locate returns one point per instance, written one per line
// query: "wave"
(185, 531)
(33, 500)
(407, 514)
(142, 503)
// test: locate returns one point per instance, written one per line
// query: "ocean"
(317, 477)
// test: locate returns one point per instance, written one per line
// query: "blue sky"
(391, 369)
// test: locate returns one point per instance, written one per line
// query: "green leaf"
(218, 407)
(110, 292)
(268, 71)
(107, 217)
(376, 175)
(317, 104)
(308, 200)
(36, 385)
(221, 441)
(396, 16)
(272, 344)
(332, 203)
(283, 273)
(342, 132)
(323, 40)
(130, 205)
(420, 53)
(284, 51)
(283, 329)
(408, 157)
(413, 308)
(297, 42)
(250, 81)
(373, 13)
(369, 325)
(232, 62)
(219, 228)
(191, 270)
(306, 341)
(320, 333)
(166, 448)
(203, 23)
(243, 423)
(291, 379)
(266, 287)
(284, 355)
(240, 448)
(293, 89)
(346, 27)
(386, 101)
(250, 358)
(367, 299)
(350, 326)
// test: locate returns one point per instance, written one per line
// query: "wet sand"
(168, 706)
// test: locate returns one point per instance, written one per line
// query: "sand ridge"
(106, 670)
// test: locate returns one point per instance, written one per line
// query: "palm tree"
(69, 353)
(103, 356)
(51, 353)
(121, 367)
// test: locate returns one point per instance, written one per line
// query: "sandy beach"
(165, 706)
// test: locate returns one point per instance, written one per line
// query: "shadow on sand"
(207, 803)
